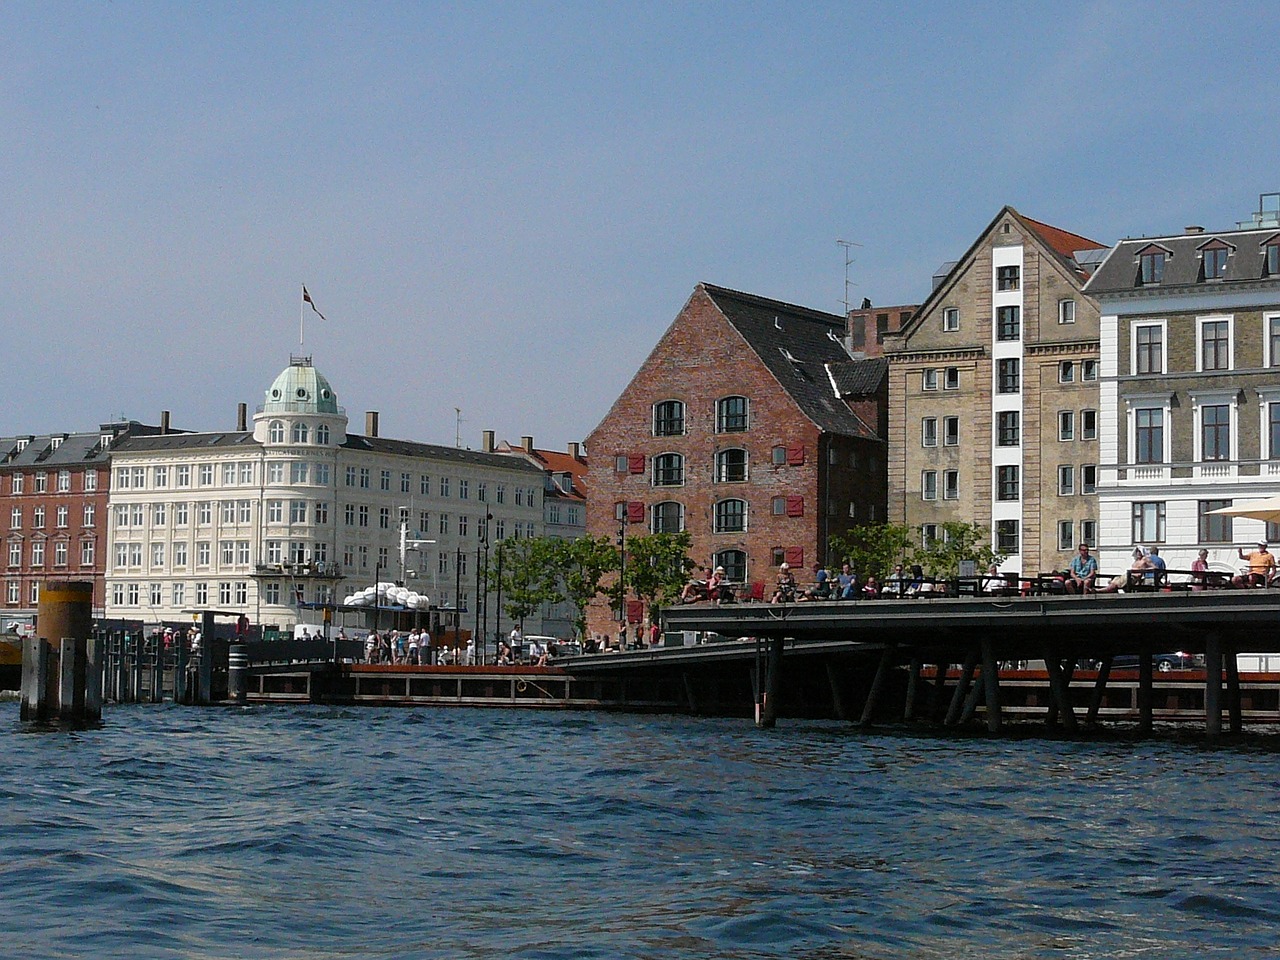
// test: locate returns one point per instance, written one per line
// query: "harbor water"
(325, 833)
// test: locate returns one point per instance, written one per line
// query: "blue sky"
(501, 207)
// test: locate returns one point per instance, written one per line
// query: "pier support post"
(1144, 690)
(204, 693)
(1099, 689)
(991, 681)
(877, 684)
(767, 717)
(1232, 663)
(94, 652)
(913, 685)
(157, 671)
(837, 695)
(1213, 686)
(937, 691)
(1060, 689)
(962, 687)
(35, 679)
(977, 691)
(135, 674)
(180, 670)
(688, 691)
(71, 678)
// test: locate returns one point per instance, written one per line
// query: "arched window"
(668, 418)
(731, 415)
(300, 433)
(730, 516)
(668, 470)
(275, 432)
(668, 517)
(731, 466)
(322, 434)
(734, 563)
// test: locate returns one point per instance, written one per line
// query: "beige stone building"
(993, 396)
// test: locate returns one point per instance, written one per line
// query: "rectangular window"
(1273, 334)
(60, 553)
(1007, 537)
(180, 554)
(224, 592)
(182, 475)
(42, 482)
(351, 476)
(322, 474)
(160, 477)
(1148, 424)
(1066, 535)
(929, 379)
(15, 516)
(405, 482)
(157, 554)
(203, 553)
(364, 516)
(61, 515)
(929, 485)
(950, 431)
(1215, 345)
(179, 594)
(1215, 432)
(226, 552)
(298, 471)
(1089, 532)
(1067, 371)
(1008, 376)
(90, 481)
(1008, 323)
(157, 594)
(1088, 370)
(1066, 425)
(242, 592)
(464, 489)
(90, 515)
(1273, 430)
(88, 553)
(384, 518)
(951, 319)
(64, 481)
(1007, 278)
(1148, 522)
(202, 594)
(1149, 349)
(1008, 428)
(1007, 483)
(951, 379)
(1088, 424)
(321, 512)
(384, 480)
(1089, 479)
(228, 474)
(1215, 263)
(228, 511)
(929, 432)
(37, 553)
(1215, 529)
(1066, 480)
(1152, 267)
(950, 484)
(928, 533)
(1066, 311)
(444, 486)
(364, 478)
(297, 511)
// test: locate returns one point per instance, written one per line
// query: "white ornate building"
(251, 521)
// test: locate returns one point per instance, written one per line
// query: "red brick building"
(53, 512)
(754, 426)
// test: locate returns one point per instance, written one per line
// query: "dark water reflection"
(319, 833)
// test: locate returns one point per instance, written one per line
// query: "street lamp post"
(377, 599)
(497, 620)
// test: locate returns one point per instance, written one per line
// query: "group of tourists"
(413, 648)
(1149, 570)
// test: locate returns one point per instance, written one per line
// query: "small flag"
(306, 298)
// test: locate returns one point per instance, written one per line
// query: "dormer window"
(1213, 260)
(1271, 253)
(1151, 266)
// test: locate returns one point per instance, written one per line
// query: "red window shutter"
(795, 508)
(635, 611)
(635, 511)
(795, 556)
(795, 455)
(635, 464)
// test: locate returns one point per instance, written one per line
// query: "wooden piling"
(837, 695)
(1059, 689)
(773, 669)
(94, 652)
(1144, 690)
(962, 688)
(1213, 686)
(877, 684)
(35, 680)
(991, 682)
(1234, 713)
(976, 695)
(1099, 689)
(913, 684)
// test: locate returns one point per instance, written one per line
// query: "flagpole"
(302, 316)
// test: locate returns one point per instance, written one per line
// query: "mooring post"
(1144, 690)
(1099, 689)
(1213, 685)
(837, 696)
(94, 649)
(913, 684)
(157, 670)
(71, 678)
(205, 680)
(962, 688)
(135, 679)
(877, 683)
(35, 679)
(1232, 662)
(180, 669)
(991, 680)
(773, 667)
(238, 673)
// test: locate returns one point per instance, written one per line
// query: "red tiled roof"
(1063, 241)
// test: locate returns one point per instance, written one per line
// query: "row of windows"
(1213, 257)
(1008, 428)
(362, 477)
(228, 592)
(730, 466)
(728, 516)
(1148, 522)
(298, 433)
(1215, 432)
(1008, 319)
(62, 516)
(61, 553)
(62, 482)
(669, 418)
(1215, 344)
(1009, 485)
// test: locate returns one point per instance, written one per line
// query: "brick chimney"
(164, 421)
(575, 451)
(371, 423)
(242, 416)
(486, 441)
(527, 443)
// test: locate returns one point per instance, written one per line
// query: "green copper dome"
(300, 388)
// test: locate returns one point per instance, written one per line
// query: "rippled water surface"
(319, 833)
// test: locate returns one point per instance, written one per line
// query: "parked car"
(1161, 661)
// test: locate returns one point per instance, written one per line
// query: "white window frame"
(1066, 418)
(1267, 359)
(1148, 402)
(951, 378)
(924, 431)
(1164, 345)
(950, 319)
(1067, 480)
(1230, 321)
(1215, 398)
(929, 379)
(950, 484)
(1063, 310)
(925, 492)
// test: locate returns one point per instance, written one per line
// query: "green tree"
(658, 566)
(529, 573)
(582, 564)
(872, 549)
(956, 541)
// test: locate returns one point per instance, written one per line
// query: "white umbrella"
(1268, 510)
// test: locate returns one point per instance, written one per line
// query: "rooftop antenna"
(848, 259)
(457, 430)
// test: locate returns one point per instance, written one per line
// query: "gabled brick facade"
(741, 375)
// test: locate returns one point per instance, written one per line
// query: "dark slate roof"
(73, 449)
(1247, 261)
(403, 448)
(796, 344)
(857, 378)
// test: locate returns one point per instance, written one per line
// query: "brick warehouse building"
(751, 424)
